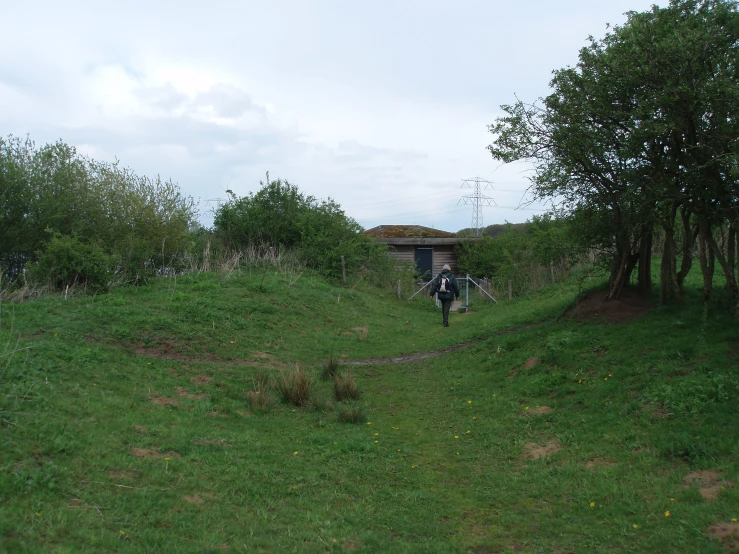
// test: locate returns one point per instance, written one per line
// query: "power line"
(478, 200)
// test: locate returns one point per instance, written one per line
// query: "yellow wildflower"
(667, 513)
(469, 402)
(295, 453)
(468, 432)
(592, 504)
(635, 526)
(456, 436)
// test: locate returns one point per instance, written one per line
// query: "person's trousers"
(445, 306)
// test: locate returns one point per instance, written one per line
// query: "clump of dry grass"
(352, 413)
(330, 369)
(362, 333)
(345, 387)
(259, 396)
(295, 386)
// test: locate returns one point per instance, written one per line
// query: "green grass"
(434, 460)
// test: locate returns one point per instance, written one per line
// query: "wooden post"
(551, 268)
(343, 270)
(510, 289)
(400, 291)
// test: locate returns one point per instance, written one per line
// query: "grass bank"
(128, 424)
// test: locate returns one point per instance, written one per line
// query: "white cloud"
(382, 106)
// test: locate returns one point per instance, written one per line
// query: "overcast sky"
(382, 106)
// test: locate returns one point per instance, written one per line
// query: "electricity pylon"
(478, 200)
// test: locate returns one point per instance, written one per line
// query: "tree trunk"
(669, 286)
(669, 291)
(645, 264)
(715, 252)
(621, 273)
(706, 268)
(731, 249)
(689, 235)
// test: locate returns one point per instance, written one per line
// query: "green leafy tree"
(278, 214)
(643, 132)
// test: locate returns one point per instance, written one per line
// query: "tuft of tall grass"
(352, 413)
(295, 386)
(330, 369)
(345, 387)
(259, 396)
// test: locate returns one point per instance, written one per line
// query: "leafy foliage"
(643, 132)
(51, 192)
(281, 216)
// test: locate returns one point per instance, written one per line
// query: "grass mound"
(141, 420)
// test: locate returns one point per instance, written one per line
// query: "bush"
(279, 215)
(295, 386)
(66, 262)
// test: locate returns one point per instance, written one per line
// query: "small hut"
(428, 248)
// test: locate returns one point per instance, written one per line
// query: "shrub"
(67, 262)
(345, 387)
(295, 386)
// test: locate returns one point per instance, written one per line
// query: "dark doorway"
(425, 262)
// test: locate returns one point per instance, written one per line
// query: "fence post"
(467, 292)
(551, 268)
(510, 289)
(343, 270)
(400, 291)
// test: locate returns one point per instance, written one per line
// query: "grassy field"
(127, 423)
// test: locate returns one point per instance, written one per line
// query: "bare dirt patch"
(709, 483)
(600, 462)
(535, 451)
(182, 393)
(144, 453)
(539, 410)
(728, 534)
(139, 428)
(351, 546)
(201, 380)
(149, 453)
(163, 401)
(656, 411)
(594, 305)
(212, 441)
(194, 499)
(528, 364)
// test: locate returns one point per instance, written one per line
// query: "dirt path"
(418, 356)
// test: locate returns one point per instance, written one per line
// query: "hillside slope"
(127, 424)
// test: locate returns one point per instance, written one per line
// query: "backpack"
(443, 284)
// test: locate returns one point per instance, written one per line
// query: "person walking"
(445, 284)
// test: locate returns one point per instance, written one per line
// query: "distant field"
(129, 423)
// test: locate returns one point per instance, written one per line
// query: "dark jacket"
(450, 294)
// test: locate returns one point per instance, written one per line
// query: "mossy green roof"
(408, 231)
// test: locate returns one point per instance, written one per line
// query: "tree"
(643, 131)
(278, 214)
